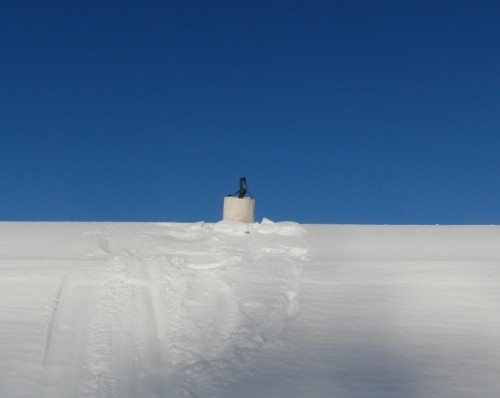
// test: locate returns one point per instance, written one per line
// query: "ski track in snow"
(68, 332)
(157, 318)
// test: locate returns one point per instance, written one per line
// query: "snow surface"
(236, 310)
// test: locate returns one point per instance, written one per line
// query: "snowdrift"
(248, 310)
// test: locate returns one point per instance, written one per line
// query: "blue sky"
(360, 112)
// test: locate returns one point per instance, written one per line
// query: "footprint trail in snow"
(174, 309)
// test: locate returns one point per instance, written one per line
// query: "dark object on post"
(243, 189)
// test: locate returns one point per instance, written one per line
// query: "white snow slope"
(234, 310)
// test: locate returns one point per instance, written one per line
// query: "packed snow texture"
(229, 309)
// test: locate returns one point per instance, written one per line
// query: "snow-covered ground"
(233, 310)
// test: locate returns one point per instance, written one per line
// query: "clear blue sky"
(371, 112)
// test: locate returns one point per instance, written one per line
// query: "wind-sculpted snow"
(275, 310)
(170, 314)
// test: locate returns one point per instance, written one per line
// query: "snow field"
(262, 310)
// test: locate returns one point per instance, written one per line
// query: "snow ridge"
(168, 312)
